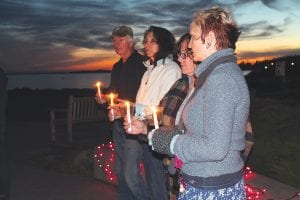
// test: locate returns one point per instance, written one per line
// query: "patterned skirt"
(235, 192)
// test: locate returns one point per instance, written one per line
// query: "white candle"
(111, 104)
(155, 118)
(128, 114)
(111, 99)
(98, 84)
(112, 114)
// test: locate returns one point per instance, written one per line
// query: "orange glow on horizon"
(96, 65)
(254, 60)
(108, 64)
(103, 59)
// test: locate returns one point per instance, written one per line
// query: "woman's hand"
(136, 126)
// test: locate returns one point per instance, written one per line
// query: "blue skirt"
(235, 192)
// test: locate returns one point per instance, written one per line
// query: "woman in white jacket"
(162, 72)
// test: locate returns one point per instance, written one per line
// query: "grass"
(66, 160)
(276, 150)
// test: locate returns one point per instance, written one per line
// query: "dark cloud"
(263, 29)
(288, 6)
(273, 4)
(39, 31)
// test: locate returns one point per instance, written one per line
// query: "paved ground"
(274, 189)
(33, 183)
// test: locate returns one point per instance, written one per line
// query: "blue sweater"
(215, 120)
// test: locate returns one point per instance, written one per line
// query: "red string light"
(252, 192)
(105, 158)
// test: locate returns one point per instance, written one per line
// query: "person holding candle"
(125, 80)
(162, 72)
(177, 93)
(210, 134)
(174, 98)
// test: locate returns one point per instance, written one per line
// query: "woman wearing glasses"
(175, 96)
(211, 131)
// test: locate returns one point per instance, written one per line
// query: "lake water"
(57, 80)
(60, 80)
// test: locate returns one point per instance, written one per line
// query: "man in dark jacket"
(126, 76)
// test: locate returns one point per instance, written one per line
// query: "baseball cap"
(122, 31)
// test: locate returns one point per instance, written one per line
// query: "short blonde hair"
(221, 23)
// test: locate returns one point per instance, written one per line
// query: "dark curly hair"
(184, 37)
(165, 40)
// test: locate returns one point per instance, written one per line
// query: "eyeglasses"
(186, 54)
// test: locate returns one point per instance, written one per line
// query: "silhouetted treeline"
(27, 104)
(264, 80)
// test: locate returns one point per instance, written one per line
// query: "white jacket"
(157, 81)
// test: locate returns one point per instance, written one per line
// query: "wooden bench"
(79, 110)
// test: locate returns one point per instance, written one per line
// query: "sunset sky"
(74, 35)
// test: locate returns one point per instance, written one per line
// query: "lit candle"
(111, 104)
(155, 118)
(111, 99)
(128, 114)
(98, 84)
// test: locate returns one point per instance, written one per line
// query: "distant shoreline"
(71, 72)
(77, 79)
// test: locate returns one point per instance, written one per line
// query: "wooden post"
(52, 125)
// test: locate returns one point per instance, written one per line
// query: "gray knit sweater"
(215, 121)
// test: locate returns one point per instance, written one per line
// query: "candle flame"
(98, 84)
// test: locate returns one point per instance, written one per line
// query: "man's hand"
(114, 112)
(100, 100)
